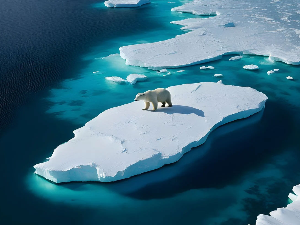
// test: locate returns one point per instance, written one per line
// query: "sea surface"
(54, 57)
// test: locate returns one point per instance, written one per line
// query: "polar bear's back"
(162, 94)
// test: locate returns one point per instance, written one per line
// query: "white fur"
(158, 95)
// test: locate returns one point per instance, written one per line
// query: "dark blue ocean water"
(48, 53)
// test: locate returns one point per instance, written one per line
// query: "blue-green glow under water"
(245, 168)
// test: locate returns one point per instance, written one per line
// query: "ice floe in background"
(272, 71)
(116, 79)
(251, 67)
(218, 75)
(289, 215)
(125, 3)
(210, 38)
(133, 78)
(206, 67)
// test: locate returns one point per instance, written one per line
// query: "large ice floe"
(266, 27)
(289, 215)
(125, 3)
(125, 141)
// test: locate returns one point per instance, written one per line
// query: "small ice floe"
(272, 71)
(218, 75)
(206, 67)
(251, 67)
(125, 3)
(133, 78)
(180, 71)
(116, 79)
(163, 71)
(289, 78)
(235, 58)
(96, 71)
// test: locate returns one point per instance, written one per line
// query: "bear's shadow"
(181, 109)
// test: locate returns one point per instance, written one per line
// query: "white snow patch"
(125, 141)
(125, 3)
(115, 79)
(206, 67)
(251, 67)
(133, 78)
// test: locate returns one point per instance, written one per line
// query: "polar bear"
(158, 95)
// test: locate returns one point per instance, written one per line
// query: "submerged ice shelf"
(125, 3)
(125, 141)
(289, 215)
(267, 28)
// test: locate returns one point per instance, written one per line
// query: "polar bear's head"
(140, 96)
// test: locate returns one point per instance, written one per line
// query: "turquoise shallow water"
(245, 168)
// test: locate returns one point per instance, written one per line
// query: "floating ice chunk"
(235, 58)
(180, 71)
(125, 3)
(116, 79)
(272, 71)
(163, 71)
(289, 215)
(133, 78)
(289, 78)
(206, 67)
(218, 75)
(124, 141)
(251, 67)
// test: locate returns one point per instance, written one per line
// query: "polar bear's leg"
(169, 102)
(163, 104)
(154, 103)
(147, 105)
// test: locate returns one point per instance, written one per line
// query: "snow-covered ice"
(289, 215)
(218, 75)
(289, 78)
(258, 30)
(133, 78)
(125, 141)
(235, 58)
(206, 67)
(116, 79)
(125, 3)
(251, 67)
